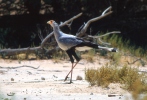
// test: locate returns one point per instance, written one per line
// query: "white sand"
(46, 82)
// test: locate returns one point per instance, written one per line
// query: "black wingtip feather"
(114, 50)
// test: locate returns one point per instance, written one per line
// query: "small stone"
(91, 93)
(79, 78)
(111, 95)
(42, 78)
(12, 79)
(10, 94)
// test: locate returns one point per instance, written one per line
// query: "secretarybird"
(70, 43)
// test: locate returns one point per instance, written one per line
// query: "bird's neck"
(57, 32)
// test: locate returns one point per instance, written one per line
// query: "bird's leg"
(71, 73)
(71, 53)
(73, 66)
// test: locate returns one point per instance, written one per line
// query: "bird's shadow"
(65, 82)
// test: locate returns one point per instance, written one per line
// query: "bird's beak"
(50, 22)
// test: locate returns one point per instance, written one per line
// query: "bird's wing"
(68, 41)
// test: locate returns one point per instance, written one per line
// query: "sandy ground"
(46, 82)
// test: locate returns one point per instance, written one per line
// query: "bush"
(126, 75)
(102, 76)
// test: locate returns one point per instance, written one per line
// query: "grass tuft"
(110, 74)
(125, 45)
(89, 55)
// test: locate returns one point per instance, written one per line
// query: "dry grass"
(100, 77)
(89, 55)
(126, 46)
(110, 74)
(116, 57)
(57, 56)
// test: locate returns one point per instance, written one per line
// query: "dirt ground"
(47, 82)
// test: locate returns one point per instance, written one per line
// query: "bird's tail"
(108, 49)
(86, 46)
(96, 46)
(89, 45)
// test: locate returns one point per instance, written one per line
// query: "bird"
(70, 43)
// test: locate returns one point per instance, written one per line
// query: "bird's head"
(51, 22)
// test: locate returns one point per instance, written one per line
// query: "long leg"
(71, 52)
(77, 59)
(73, 66)
(71, 73)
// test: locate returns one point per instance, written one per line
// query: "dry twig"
(99, 37)
(104, 14)
(19, 67)
(10, 52)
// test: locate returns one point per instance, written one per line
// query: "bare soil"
(47, 81)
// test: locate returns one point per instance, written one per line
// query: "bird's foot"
(65, 78)
(70, 82)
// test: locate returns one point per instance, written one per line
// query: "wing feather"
(67, 42)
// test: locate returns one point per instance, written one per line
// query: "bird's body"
(70, 43)
(66, 41)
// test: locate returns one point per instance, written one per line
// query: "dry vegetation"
(125, 75)
(120, 69)
(129, 77)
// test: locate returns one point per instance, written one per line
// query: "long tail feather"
(108, 49)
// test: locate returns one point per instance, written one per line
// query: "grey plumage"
(65, 41)
(69, 43)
